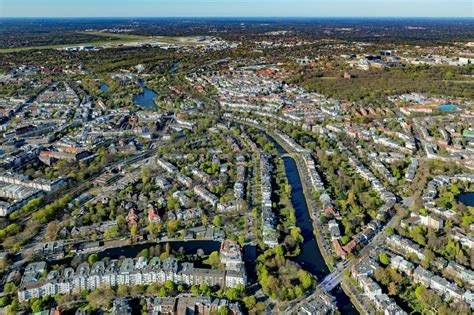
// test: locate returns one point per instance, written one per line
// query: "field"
(118, 39)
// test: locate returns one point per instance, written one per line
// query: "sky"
(237, 8)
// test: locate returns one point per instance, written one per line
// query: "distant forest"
(37, 32)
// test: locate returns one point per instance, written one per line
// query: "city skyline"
(238, 8)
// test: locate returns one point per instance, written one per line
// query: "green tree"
(216, 220)
(223, 310)
(93, 258)
(250, 302)
(9, 287)
(232, 294)
(36, 305)
(213, 260)
(383, 258)
(305, 279)
(389, 230)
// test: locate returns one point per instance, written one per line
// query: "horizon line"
(245, 17)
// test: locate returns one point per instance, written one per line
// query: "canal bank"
(310, 251)
(311, 258)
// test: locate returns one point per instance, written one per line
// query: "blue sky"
(168, 8)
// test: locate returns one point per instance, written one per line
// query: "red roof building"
(350, 246)
(132, 217)
(339, 250)
(153, 217)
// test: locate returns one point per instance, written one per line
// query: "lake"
(147, 98)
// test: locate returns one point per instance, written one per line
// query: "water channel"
(466, 198)
(310, 257)
(190, 247)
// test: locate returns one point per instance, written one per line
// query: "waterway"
(190, 247)
(310, 258)
(145, 99)
(466, 198)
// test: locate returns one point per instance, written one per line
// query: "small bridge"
(331, 281)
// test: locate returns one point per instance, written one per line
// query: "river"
(310, 258)
(145, 99)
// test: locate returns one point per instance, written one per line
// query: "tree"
(169, 286)
(345, 240)
(145, 253)
(9, 287)
(298, 291)
(250, 302)
(389, 230)
(145, 174)
(52, 230)
(223, 310)
(392, 288)
(12, 309)
(101, 298)
(122, 290)
(154, 228)
(213, 260)
(204, 288)
(121, 221)
(133, 230)
(111, 233)
(419, 291)
(92, 259)
(171, 227)
(241, 240)
(232, 294)
(383, 258)
(429, 257)
(381, 276)
(36, 305)
(305, 279)
(279, 250)
(216, 220)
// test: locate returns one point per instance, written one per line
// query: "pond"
(466, 198)
(174, 67)
(447, 107)
(104, 87)
(145, 99)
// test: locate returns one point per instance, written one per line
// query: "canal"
(466, 198)
(190, 247)
(310, 258)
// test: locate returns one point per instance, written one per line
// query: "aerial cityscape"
(235, 161)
